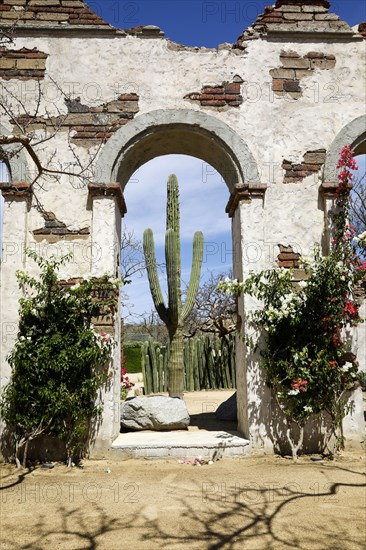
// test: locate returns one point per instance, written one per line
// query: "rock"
(154, 413)
(228, 409)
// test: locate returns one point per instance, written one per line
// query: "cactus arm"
(152, 273)
(195, 274)
(172, 276)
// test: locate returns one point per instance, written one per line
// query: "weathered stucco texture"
(133, 95)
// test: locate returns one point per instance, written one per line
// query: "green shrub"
(58, 361)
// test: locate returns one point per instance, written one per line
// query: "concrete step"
(181, 443)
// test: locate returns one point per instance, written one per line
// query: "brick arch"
(353, 134)
(182, 131)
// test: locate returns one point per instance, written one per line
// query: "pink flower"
(299, 384)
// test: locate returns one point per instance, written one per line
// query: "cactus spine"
(175, 313)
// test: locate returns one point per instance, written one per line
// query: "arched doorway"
(189, 133)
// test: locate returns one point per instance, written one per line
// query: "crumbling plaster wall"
(163, 75)
(274, 128)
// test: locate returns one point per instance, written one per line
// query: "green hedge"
(132, 356)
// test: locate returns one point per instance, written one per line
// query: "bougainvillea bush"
(58, 361)
(307, 358)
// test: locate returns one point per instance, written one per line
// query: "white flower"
(293, 392)
(302, 284)
(347, 366)
(308, 409)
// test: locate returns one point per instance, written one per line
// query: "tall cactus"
(174, 315)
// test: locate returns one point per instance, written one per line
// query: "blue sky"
(202, 22)
(194, 23)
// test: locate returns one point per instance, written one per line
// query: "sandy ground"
(249, 503)
(261, 503)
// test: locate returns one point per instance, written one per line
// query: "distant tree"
(213, 311)
(358, 204)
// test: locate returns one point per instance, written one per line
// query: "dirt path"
(265, 503)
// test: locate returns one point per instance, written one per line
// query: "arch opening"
(203, 197)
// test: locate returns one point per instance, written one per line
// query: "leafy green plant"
(308, 362)
(58, 361)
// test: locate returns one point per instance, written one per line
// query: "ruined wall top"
(296, 17)
(46, 13)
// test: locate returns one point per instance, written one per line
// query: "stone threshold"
(210, 445)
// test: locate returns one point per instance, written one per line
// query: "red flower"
(351, 310)
(332, 364)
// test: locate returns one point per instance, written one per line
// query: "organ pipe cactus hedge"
(175, 313)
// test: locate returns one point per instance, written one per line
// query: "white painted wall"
(99, 69)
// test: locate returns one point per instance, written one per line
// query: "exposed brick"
(288, 263)
(314, 55)
(277, 85)
(313, 161)
(282, 73)
(298, 16)
(37, 64)
(213, 103)
(315, 157)
(303, 73)
(362, 29)
(232, 88)
(206, 97)
(289, 54)
(287, 8)
(296, 174)
(293, 63)
(295, 67)
(291, 86)
(235, 102)
(213, 90)
(88, 127)
(50, 12)
(227, 93)
(272, 19)
(326, 17)
(128, 97)
(322, 63)
(311, 167)
(7, 63)
(288, 256)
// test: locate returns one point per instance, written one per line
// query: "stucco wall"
(253, 135)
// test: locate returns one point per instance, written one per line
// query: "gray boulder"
(154, 413)
(228, 409)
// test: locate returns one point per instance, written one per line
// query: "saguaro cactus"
(174, 315)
